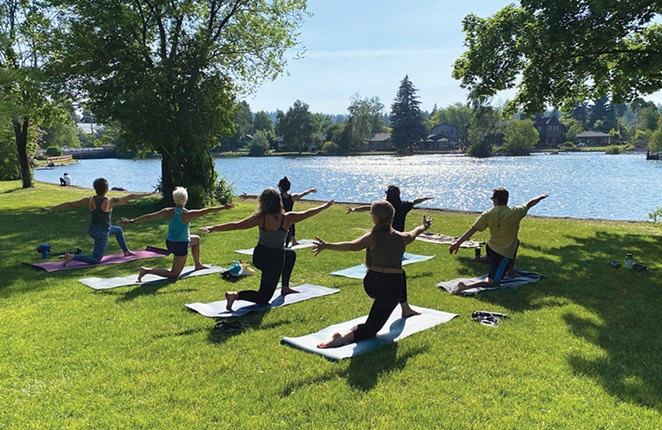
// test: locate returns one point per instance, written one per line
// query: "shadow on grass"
(625, 305)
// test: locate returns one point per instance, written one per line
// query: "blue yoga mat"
(396, 328)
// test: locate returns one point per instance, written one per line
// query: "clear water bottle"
(628, 260)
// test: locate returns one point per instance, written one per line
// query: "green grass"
(581, 351)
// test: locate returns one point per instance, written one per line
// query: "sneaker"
(639, 267)
(615, 264)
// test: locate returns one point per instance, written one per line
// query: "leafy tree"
(295, 127)
(520, 137)
(655, 142)
(168, 71)
(406, 118)
(259, 145)
(602, 116)
(25, 33)
(573, 128)
(262, 122)
(243, 125)
(8, 157)
(483, 131)
(330, 148)
(560, 53)
(364, 119)
(61, 134)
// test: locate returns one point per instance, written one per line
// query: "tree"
(483, 131)
(295, 127)
(560, 53)
(25, 33)
(262, 122)
(243, 125)
(169, 71)
(61, 134)
(259, 145)
(406, 118)
(364, 119)
(520, 137)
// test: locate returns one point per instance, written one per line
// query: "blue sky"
(366, 47)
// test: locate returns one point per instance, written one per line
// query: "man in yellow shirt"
(503, 223)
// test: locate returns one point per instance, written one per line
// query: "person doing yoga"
(288, 204)
(503, 223)
(384, 247)
(270, 256)
(178, 239)
(402, 208)
(101, 209)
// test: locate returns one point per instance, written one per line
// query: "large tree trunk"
(166, 181)
(21, 133)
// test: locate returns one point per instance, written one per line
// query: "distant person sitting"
(65, 181)
(503, 223)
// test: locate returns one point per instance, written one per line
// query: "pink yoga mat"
(149, 252)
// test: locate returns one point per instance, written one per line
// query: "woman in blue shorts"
(178, 239)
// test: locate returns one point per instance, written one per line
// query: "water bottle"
(628, 260)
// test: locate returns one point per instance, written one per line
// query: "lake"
(580, 185)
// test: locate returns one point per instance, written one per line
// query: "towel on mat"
(522, 278)
(447, 240)
(149, 252)
(396, 328)
(242, 307)
(359, 271)
(107, 283)
(303, 243)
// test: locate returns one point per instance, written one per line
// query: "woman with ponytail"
(384, 280)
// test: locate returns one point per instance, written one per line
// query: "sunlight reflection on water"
(582, 185)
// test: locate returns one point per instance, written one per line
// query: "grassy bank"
(581, 349)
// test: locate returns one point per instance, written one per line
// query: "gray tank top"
(273, 238)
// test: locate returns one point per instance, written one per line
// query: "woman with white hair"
(384, 247)
(178, 239)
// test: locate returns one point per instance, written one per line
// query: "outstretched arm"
(121, 200)
(363, 208)
(146, 217)
(294, 217)
(251, 221)
(413, 234)
(355, 245)
(244, 196)
(197, 213)
(534, 201)
(421, 200)
(74, 204)
(455, 246)
(298, 196)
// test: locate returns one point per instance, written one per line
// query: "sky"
(366, 47)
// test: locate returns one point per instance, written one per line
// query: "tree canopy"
(406, 117)
(560, 52)
(169, 71)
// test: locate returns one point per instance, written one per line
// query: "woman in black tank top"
(288, 205)
(270, 256)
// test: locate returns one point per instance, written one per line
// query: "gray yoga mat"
(241, 307)
(303, 243)
(523, 278)
(396, 328)
(359, 271)
(107, 283)
(447, 240)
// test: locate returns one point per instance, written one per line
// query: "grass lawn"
(582, 349)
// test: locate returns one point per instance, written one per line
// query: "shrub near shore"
(578, 351)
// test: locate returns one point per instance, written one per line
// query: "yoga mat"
(447, 240)
(107, 283)
(523, 278)
(303, 243)
(241, 307)
(396, 328)
(358, 272)
(149, 252)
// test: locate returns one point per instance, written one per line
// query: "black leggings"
(273, 263)
(388, 289)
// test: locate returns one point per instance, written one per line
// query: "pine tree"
(406, 118)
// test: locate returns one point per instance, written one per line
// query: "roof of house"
(593, 134)
(380, 137)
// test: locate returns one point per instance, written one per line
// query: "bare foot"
(294, 243)
(409, 312)
(230, 296)
(67, 258)
(128, 253)
(287, 290)
(142, 272)
(335, 341)
(201, 267)
(461, 286)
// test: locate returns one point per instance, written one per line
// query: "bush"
(196, 196)
(223, 192)
(53, 151)
(330, 148)
(259, 145)
(613, 149)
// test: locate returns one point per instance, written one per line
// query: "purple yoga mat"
(149, 252)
